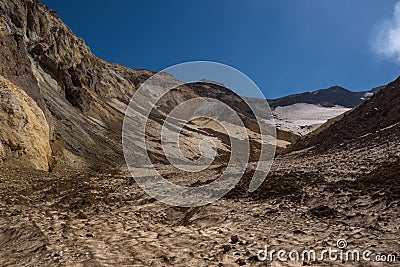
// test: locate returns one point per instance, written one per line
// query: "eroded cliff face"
(32, 32)
(24, 131)
(82, 97)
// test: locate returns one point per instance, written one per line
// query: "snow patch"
(302, 118)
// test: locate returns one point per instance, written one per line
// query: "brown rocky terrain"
(83, 97)
(67, 198)
(309, 201)
(381, 112)
(25, 132)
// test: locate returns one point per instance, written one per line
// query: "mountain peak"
(337, 88)
(328, 97)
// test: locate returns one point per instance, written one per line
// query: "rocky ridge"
(83, 97)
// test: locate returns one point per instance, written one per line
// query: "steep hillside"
(83, 97)
(378, 116)
(78, 93)
(230, 98)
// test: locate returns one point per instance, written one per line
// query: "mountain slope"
(330, 97)
(378, 116)
(303, 113)
(83, 97)
(299, 113)
(45, 59)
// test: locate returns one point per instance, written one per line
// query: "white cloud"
(387, 40)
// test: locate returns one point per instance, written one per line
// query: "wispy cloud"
(387, 40)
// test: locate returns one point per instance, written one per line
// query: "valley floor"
(102, 218)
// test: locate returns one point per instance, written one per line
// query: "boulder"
(24, 133)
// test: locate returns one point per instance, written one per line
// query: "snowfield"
(302, 118)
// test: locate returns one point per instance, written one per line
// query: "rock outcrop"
(24, 131)
(82, 97)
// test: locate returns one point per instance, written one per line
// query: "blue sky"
(284, 46)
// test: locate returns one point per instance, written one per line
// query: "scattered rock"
(323, 212)
(234, 239)
(90, 235)
(241, 262)
(226, 248)
(15, 213)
